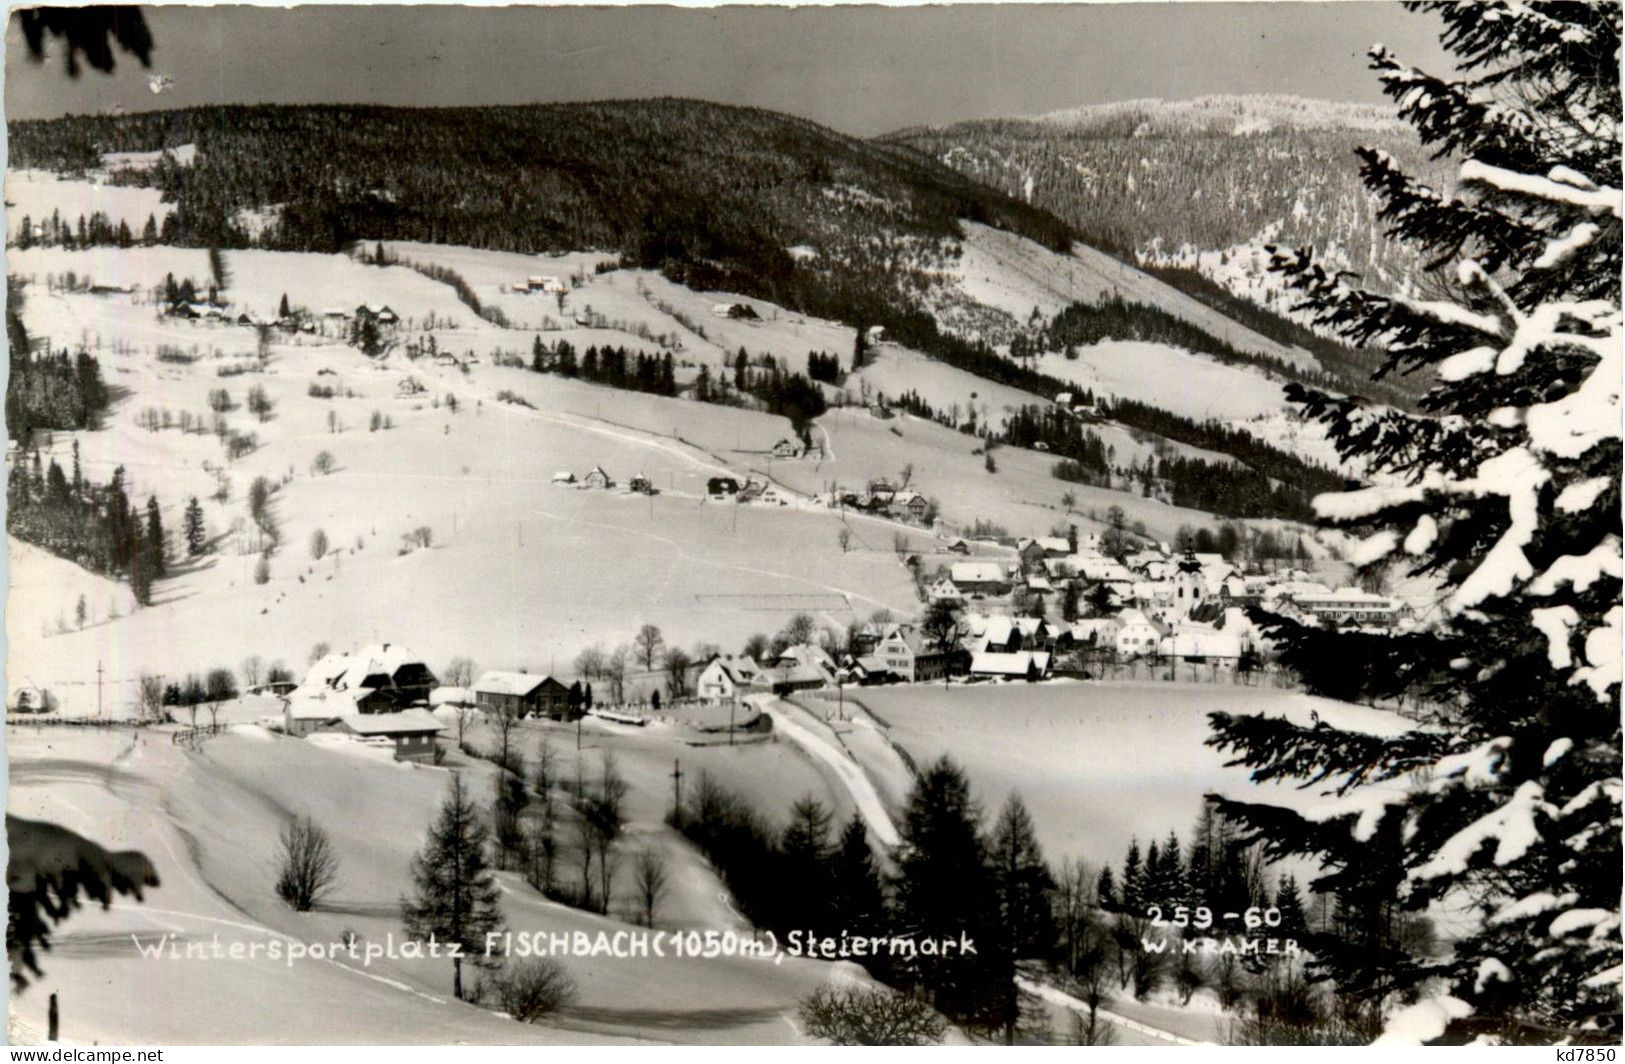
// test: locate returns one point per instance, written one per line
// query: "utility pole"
(98, 688)
(732, 703)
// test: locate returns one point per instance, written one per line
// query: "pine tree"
(456, 892)
(283, 312)
(1022, 883)
(942, 888)
(149, 232)
(857, 896)
(194, 527)
(1133, 893)
(155, 536)
(1506, 491)
(138, 562)
(805, 851)
(1106, 888)
(1165, 874)
(1289, 902)
(1150, 877)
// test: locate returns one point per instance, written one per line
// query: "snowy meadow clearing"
(1098, 764)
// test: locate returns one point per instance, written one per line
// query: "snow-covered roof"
(521, 684)
(998, 630)
(317, 707)
(976, 572)
(451, 696)
(1098, 568)
(1019, 663)
(405, 722)
(740, 670)
(345, 672)
(807, 654)
(375, 658)
(796, 672)
(1029, 626)
(1136, 618)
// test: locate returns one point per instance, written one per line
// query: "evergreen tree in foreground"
(456, 893)
(1022, 883)
(943, 890)
(857, 898)
(1504, 798)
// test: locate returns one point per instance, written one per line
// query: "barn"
(521, 694)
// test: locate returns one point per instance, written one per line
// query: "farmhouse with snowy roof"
(910, 656)
(979, 578)
(727, 679)
(412, 732)
(1021, 665)
(374, 679)
(522, 694)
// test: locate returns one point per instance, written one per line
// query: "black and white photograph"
(978, 524)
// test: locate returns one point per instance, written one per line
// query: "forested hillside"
(1147, 178)
(718, 190)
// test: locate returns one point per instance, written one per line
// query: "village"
(1038, 609)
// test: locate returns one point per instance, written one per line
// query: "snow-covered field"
(520, 572)
(1097, 763)
(34, 194)
(1015, 275)
(209, 821)
(1206, 388)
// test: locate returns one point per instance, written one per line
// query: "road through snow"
(864, 796)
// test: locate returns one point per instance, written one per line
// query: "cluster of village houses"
(881, 496)
(1152, 604)
(216, 310)
(1161, 606)
(385, 695)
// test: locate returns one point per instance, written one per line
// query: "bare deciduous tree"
(466, 715)
(459, 672)
(590, 663)
(649, 880)
(152, 697)
(615, 669)
(309, 867)
(505, 723)
(531, 988)
(870, 1016)
(677, 666)
(649, 642)
(252, 668)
